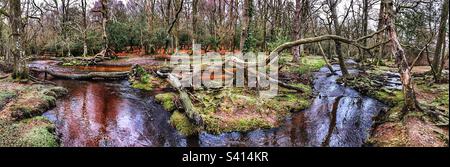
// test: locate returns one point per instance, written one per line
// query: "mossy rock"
(182, 124)
(167, 100)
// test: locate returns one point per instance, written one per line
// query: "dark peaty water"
(338, 117)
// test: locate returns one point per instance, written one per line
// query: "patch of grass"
(216, 125)
(34, 132)
(239, 109)
(74, 63)
(167, 100)
(391, 98)
(182, 124)
(310, 64)
(39, 137)
(5, 97)
(142, 86)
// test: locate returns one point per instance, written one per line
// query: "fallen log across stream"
(184, 97)
(84, 76)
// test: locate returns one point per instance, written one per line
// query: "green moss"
(145, 81)
(34, 132)
(244, 124)
(394, 114)
(39, 137)
(182, 124)
(217, 126)
(306, 88)
(142, 86)
(167, 100)
(310, 64)
(392, 98)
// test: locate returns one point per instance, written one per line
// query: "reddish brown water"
(111, 114)
(102, 68)
(108, 113)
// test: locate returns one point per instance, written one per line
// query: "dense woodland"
(399, 33)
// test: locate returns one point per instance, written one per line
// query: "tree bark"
(337, 29)
(20, 70)
(105, 18)
(84, 24)
(296, 30)
(400, 59)
(245, 23)
(440, 42)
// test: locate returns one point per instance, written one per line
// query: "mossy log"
(86, 76)
(184, 98)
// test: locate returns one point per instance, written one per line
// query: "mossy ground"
(397, 128)
(20, 123)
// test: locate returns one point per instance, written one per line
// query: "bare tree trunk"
(365, 25)
(440, 42)
(245, 23)
(337, 28)
(20, 70)
(105, 16)
(296, 30)
(194, 20)
(380, 37)
(149, 12)
(84, 11)
(400, 59)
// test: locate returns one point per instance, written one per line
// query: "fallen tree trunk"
(4, 77)
(184, 97)
(86, 76)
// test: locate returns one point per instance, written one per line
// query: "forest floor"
(21, 105)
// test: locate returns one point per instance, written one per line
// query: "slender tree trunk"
(365, 26)
(400, 59)
(84, 10)
(338, 45)
(194, 20)
(382, 36)
(149, 13)
(245, 23)
(296, 30)
(440, 42)
(105, 16)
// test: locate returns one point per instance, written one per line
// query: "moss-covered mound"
(20, 123)
(182, 124)
(140, 78)
(167, 100)
(238, 109)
